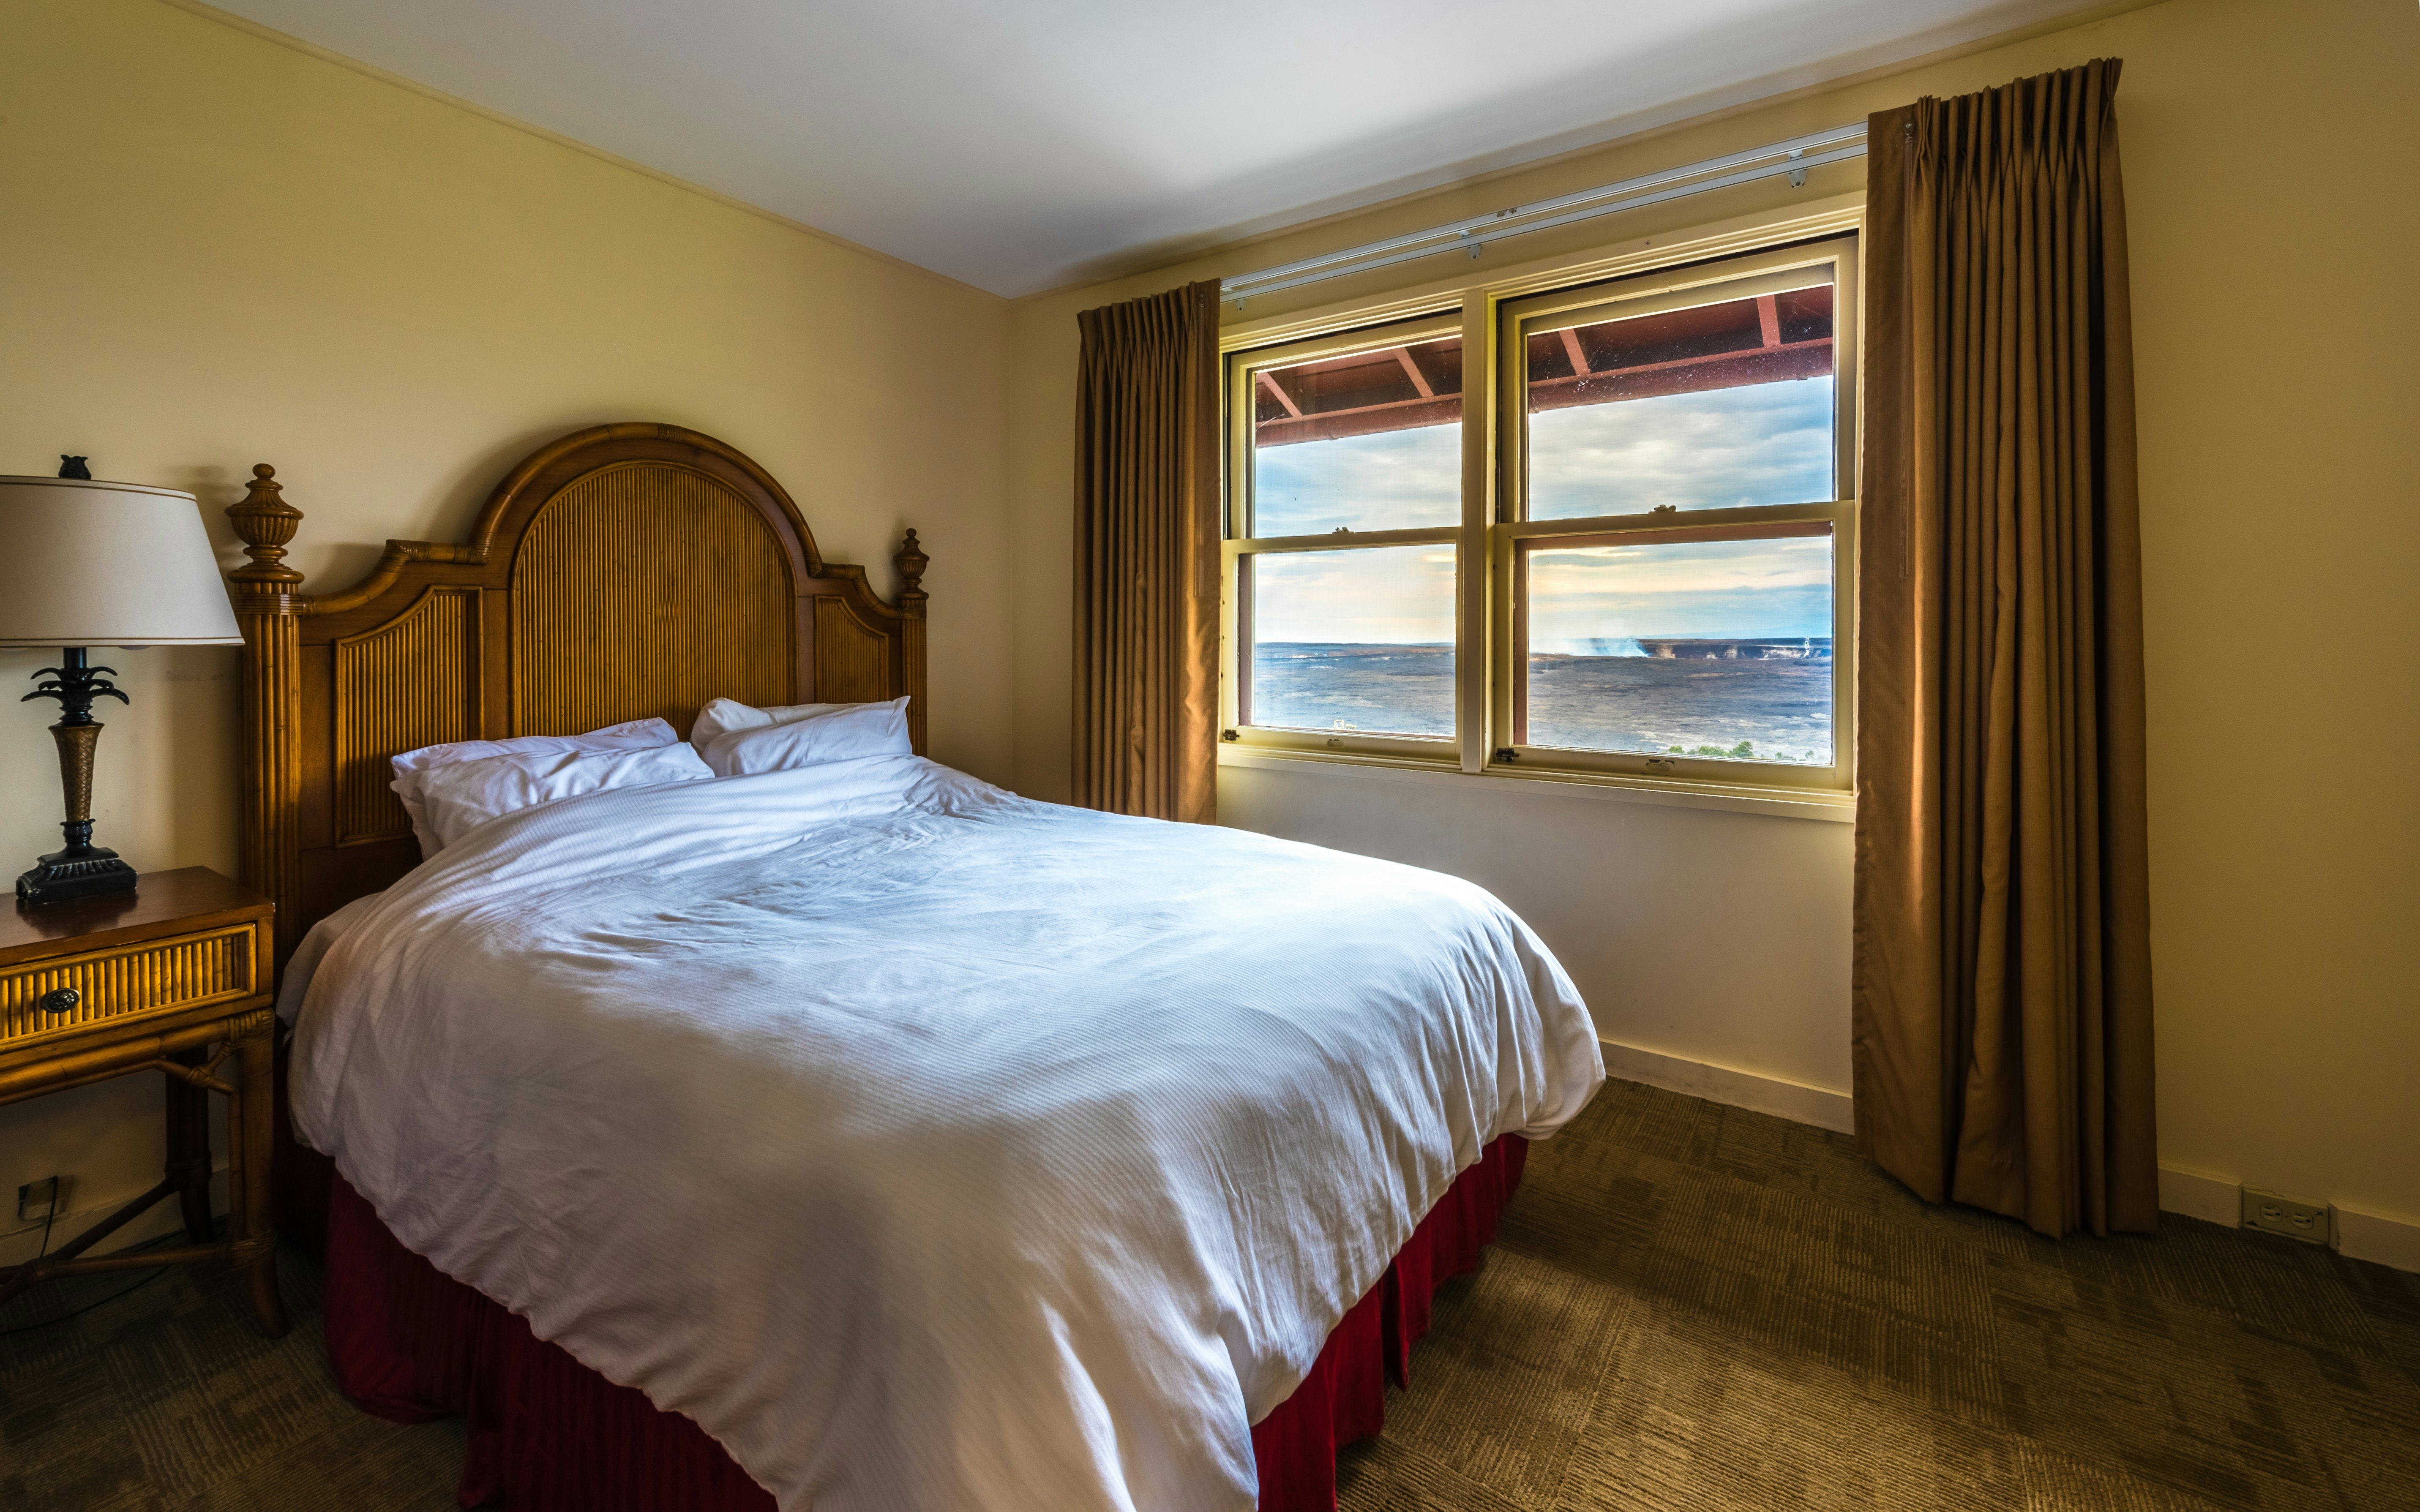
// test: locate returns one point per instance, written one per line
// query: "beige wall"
(219, 251)
(2270, 153)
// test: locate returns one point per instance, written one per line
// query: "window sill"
(1785, 803)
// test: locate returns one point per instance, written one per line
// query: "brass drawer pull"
(61, 1002)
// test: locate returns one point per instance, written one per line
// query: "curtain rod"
(1794, 156)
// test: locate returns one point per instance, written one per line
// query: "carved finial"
(266, 522)
(911, 564)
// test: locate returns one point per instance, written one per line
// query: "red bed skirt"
(547, 1434)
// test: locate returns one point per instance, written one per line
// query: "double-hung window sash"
(1665, 548)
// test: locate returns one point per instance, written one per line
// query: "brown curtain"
(1147, 556)
(2002, 980)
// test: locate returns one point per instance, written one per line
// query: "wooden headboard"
(624, 571)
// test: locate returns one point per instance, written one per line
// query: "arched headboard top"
(540, 476)
(620, 572)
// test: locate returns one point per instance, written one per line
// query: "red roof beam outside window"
(1399, 388)
(1769, 338)
(1766, 339)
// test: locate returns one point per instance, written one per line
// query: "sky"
(1393, 593)
(1721, 589)
(1758, 444)
(1762, 443)
(1398, 480)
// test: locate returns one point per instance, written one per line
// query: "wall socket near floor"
(2274, 1213)
(42, 1200)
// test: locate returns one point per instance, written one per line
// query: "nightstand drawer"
(113, 985)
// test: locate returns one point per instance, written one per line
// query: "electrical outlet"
(39, 1200)
(2273, 1212)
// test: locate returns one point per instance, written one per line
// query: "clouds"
(1404, 593)
(1401, 595)
(1726, 589)
(1755, 444)
(1397, 480)
(1762, 443)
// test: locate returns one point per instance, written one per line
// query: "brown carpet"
(1695, 1307)
(165, 1397)
(1690, 1307)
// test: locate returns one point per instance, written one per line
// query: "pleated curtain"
(1146, 633)
(2002, 979)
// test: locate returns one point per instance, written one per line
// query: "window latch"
(1506, 753)
(1230, 736)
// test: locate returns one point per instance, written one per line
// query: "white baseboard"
(2360, 1233)
(2373, 1236)
(1748, 1089)
(166, 1216)
(2199, 1195)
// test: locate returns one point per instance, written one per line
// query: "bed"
(839, 1138)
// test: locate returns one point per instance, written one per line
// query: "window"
(1640, 573)
(1671, 568)
(1347, 522)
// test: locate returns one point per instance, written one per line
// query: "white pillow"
(838, 732)
(459, 797)
(722, 715)
(635, 734)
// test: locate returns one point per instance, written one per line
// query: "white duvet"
(931, 1146)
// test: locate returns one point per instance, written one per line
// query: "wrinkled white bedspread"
(931, 1146)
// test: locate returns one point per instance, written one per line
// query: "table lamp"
(98, 565)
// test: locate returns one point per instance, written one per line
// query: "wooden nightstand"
(174, 978)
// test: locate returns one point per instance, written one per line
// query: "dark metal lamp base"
(80, 868)
(78, 872)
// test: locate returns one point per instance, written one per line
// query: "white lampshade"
(85, 564)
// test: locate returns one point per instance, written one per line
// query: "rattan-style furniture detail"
(622, 571)
(172, 978)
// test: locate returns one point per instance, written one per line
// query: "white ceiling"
(1018, 146)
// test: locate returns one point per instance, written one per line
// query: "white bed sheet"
(931, 1146)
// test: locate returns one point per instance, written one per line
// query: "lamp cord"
(97, 1302)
